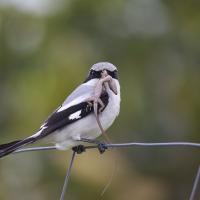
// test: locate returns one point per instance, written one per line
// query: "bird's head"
(98, 68)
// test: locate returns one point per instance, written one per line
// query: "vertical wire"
(195, 186)
(66, 183)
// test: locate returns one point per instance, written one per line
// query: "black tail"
(10, 147)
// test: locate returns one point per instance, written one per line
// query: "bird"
(76, 120)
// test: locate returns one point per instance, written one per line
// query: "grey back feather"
(83, 90)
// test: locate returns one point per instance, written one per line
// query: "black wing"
(59, 120)
(56, 121)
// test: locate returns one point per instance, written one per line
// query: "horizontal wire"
(119, 145)
(154, 144)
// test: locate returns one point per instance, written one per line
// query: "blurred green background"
(46, 49)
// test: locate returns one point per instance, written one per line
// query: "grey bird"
(75, 119)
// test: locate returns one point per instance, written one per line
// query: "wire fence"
(103, 146)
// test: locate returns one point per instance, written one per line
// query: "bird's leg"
(81, 148)
(90, 141)
(100, 145)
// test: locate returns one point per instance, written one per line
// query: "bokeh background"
(46, 49)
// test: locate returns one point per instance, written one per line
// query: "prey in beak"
(105, 83)
(108, 79)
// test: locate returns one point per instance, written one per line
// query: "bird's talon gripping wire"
(102, 147)
(79, 149)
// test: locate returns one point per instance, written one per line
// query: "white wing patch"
(75, 115)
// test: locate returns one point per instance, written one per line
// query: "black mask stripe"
(97, 74)
(113, 74)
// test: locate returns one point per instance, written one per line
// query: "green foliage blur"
(46, 49)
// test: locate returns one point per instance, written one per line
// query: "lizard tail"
(99, 123)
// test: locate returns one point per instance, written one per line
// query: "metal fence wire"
(103, 146)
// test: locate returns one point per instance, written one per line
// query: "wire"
(119, 145)
(154, 144)
(62, 197)
(195, 186)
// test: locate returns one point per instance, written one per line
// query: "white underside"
(88, 127)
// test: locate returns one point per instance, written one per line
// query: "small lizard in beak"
(105, 82)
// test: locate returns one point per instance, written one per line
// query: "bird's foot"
(102, 147)
(79, 149)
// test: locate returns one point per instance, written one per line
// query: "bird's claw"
(79, 149)
(102, 147)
